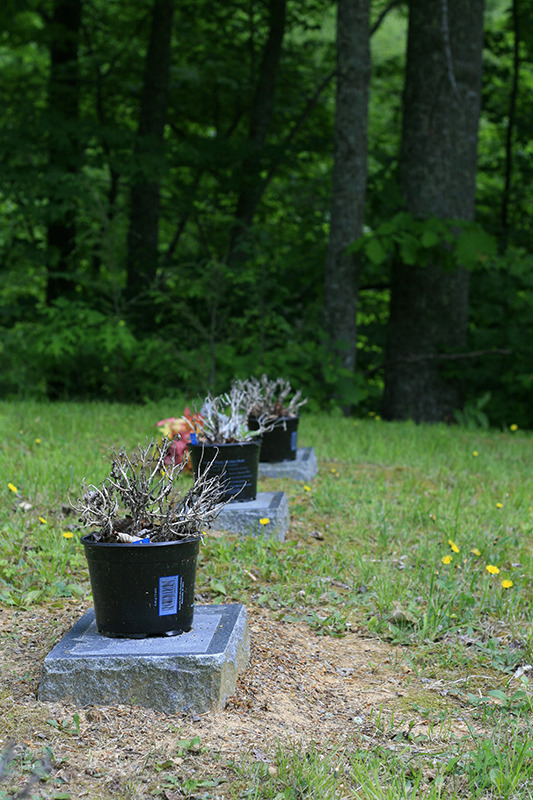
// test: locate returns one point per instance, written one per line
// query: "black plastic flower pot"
(280, 443)
(237, 463)
(142, 590)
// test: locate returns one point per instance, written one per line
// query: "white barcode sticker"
(168, 595)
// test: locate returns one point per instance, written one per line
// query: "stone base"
(195, 671)
(303, 468)
(246, 517)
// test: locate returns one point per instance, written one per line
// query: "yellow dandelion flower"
(12, 488)
(506, 584)
(67, 534)
(377, 417)
(264, 521)
(446, 559)
(307, 488)
(492, 569)
(513, 427)
(433, 517)
(499, 505)
(43, 521)
(453, 545)
(475, 453)
(475, 551)
(37, 441)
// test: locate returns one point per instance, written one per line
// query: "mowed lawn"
(415, 540)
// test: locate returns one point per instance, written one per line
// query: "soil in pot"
(280, 443)
(142, 590)
(237, 463)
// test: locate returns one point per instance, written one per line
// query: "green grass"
(392, 503)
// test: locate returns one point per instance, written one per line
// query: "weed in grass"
(34, 568)
(336, 624)
(498, 703)
(381, 774)
(64, 726)
(294, 773)
(25, 773)
(501, 765)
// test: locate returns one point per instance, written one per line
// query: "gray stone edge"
(193, 682)
(241, 520)
(303, 468)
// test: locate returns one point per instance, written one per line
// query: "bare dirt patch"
(299, 687)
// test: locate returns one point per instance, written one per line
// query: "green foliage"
(217, 319)
(418, 242)
(502, 318)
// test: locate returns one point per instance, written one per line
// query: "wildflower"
(264, 521)
(453, 545)
(13, 488)
(43, 521)
(475, 551)
(333, 470)
(492, 569)
(307, 488)
(499, 505)
(377, 417)
(446, 559)
(506, 584)
(433, 517)
(513, 427)
(475, 453)
(67, 534)
(37, 441)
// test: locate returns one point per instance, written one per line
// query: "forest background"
(197, 191)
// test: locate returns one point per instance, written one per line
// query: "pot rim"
(254, 441)
(85, 539)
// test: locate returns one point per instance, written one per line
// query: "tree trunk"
(261, 111)
(349, 180)
(143, 232)
(63, 147)
(437, 174)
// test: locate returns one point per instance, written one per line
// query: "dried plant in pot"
(275, 407)
(143, 546)
(223, 444)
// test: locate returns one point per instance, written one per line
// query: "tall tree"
(63, 145)
(261, 111)
(437, 175)
(143, 231)
(349, 179)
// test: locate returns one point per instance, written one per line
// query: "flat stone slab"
(267, 515)
(195, 671)
(303, 468)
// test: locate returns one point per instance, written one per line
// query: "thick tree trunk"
(429, 305)
(349, 180)
(143, 232)
(63, 148)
